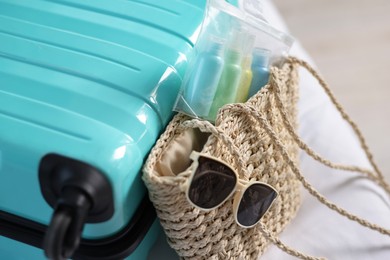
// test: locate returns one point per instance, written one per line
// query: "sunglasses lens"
(254, 203)
(211, 184)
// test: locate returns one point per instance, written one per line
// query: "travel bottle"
(260, 70)
(247, 75)
(230, 78)
(202, 85)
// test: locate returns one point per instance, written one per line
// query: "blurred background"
(350, 42)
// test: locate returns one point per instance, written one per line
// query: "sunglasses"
(212, 182)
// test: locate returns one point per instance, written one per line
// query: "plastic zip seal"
(232, 57)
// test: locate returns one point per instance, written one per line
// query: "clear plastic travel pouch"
(232, 58)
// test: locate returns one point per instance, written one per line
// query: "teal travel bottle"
(260, 70)
(202, 85)
(229, 82)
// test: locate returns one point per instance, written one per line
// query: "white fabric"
(317, 230)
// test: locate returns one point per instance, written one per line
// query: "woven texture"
(196, 234)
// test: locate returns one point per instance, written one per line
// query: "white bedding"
(317, 230)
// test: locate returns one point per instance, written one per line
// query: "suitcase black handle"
(80, 194)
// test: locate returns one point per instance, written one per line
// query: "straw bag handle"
(375, 175)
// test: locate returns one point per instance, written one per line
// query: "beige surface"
(350, 42)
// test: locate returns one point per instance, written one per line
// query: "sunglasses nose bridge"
(241, 187)
(241, 184)
(236, 203)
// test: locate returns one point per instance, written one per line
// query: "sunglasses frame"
(239, 188)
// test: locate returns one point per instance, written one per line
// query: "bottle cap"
(261, 57)
(214, 44)
(236, 40)
(249, 42)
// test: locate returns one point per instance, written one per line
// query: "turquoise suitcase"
(86, 87)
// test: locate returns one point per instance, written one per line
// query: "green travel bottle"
(228, 83)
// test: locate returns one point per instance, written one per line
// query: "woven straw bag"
(258, 139)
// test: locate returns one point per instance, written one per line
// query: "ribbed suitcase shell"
(91, 80)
